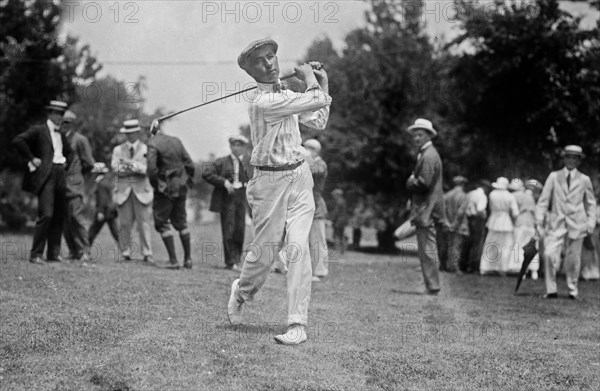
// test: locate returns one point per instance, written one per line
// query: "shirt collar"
(271, 87)
(567, 171)
(426, 145)
(134, 144)
(51, 125)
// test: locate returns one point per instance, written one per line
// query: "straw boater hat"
(424, 124)
(239, 138)
(338, 192)
(573, 150)
(313, 144)
(130, 126)
(252, 47)
(69, 116)
(57, 105)
(501, 183)
(533, 184)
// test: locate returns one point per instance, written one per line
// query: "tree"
(530, 86)
(31, 74)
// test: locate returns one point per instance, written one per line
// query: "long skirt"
(498, 252)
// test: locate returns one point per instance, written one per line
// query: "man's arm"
(589, 202)
(212, 174)
(151, 166)
(84, 150)
(22, 140)
(423, 181)
(190, 169)
(544, 201)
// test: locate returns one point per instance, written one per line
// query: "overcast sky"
(188, 49)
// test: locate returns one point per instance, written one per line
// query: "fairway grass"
(129, 326)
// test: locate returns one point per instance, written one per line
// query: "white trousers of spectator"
(553, 249)
(318, 248)
(282, 210)
(131, 211)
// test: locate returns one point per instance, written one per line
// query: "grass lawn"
(112, 326)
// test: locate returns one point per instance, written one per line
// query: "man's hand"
(229, 186)
(590, 230)
(100, 216)
(305, 73)
(320, 74)
(36, 161)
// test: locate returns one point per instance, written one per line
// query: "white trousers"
(131, 211)
(282, 211)
(553, 248)
(319, 253)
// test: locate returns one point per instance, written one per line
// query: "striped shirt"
(274, 118)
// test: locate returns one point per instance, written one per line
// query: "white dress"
(499, 250)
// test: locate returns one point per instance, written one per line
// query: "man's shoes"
(57, 258)
(234, 307)
(573, 297)
(235, 267)
(433, 292)
(316, 279)
(37, 260)
(124, 258)
(187, 264)
(149, 260)
(295, 335)
(550, 296)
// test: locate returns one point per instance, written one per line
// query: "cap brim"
(415, 127)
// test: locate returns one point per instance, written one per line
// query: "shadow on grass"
(403, 292)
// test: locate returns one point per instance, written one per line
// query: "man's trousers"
(282, 210)
(76, 234)
(428, 255)
(131, 211)
(51, 208)
(318, 248)
(553, 248)
(233, 226)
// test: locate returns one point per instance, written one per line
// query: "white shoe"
(234, 307)
(295, 335)
(316, 279)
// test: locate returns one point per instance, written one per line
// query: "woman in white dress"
(499, 249)
(524, 226)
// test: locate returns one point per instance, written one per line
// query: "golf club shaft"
(167, 116)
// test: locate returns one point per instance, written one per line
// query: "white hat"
(516, 184)
(57, 105)
(424, 124)
(69, 116)
(313, 144)
(574, 150)
(238, 138)
(130, 126)
(501, 183)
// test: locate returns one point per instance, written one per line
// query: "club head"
(155, 127)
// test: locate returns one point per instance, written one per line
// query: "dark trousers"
(455, 243)
(113, 224)
(441, 239)
(233, 226)
(76, 234)
(474, 244)
(428, 255)
(51, 209)
(169, 211)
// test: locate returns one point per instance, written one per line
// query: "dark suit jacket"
(36, 142)
(82, 163)
(216, 174)
(104, 198)
(170, 168)
(427, 201)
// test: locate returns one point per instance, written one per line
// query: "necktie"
(568, 180)
(131, 152)
(279, 87)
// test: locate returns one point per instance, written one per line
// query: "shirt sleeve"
(277, 107)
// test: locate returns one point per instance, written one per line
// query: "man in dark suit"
(75, 231)
(106, 208)
(228, 175)
(47, 153)
(427, 200)
(171, 171)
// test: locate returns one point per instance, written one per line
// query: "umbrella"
(529, 251)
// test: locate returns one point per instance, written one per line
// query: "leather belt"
(280, 168)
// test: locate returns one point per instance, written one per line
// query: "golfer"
(280, 192)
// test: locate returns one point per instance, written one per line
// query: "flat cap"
(252, 47)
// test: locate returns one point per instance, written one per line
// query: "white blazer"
(571, 210)
(131, 174)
